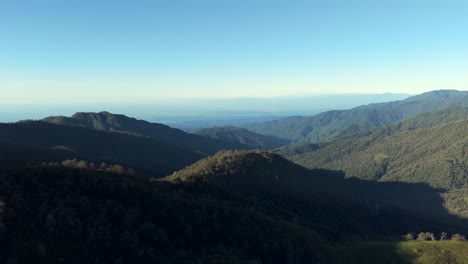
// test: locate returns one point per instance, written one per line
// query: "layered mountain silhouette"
(243, 136)
(366, 177)
(35, 141)
(330, 125)
(105, 121)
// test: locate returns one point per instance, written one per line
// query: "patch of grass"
(411, 252)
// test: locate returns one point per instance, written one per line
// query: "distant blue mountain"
(334, 124)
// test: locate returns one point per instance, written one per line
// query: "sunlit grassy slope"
(410, 252)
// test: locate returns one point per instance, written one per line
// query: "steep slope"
(429, 148)
(426, 120)
(246, 170)
(430, 119)
(361, 203)
(210, 212)
(50, 215)
(105, 121)
(243, 136)
(44, 142)
(336, 124)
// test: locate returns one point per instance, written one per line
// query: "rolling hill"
(265, 174)
(105, 121)
(51, 215)
(214, 211)
(331, 125)
(43, 142)
(243, 136)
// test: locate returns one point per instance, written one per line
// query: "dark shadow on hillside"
(418, 205)
(43, 142)
(197, 215)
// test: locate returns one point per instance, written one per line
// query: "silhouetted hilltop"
(253, 170)
(263, 173)
(106, 121)
(44, 142)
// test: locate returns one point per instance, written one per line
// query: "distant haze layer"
(172, 112)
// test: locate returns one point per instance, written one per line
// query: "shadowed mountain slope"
(266, 174)
(243, 136)
(44, 142)
(122, 124)
(214, 211)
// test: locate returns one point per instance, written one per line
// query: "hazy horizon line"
(198, 99)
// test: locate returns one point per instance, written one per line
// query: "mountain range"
(331, 125)
(429, 148)
(214, 211)
(43, 142)
(421, 149)
(322, 189)
(243, 136)
(105, 121)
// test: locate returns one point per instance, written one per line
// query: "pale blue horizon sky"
(84, 50)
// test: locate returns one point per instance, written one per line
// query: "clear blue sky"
(95, 50)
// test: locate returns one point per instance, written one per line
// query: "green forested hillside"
(243, 136)
(266, 174)
(331, 125)
(434, 155)
(215, 211)
(431, 148)
(105, 121)
(430, 119)
(426, 120)
(410, 176)
(72, 216)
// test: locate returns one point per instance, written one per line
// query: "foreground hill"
(248, 170)
(335, 124)
(243, 136)
(105, 121)
(214, 211)
(44, 142)
(53, 215)
(265, 174)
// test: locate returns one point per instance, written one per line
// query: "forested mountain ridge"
(331, 125)
(426, 120)
(266, 174)
(430, 148)
(106, 121)
(243, 136)
(51, 215)
(244, 168)
(214, 211)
